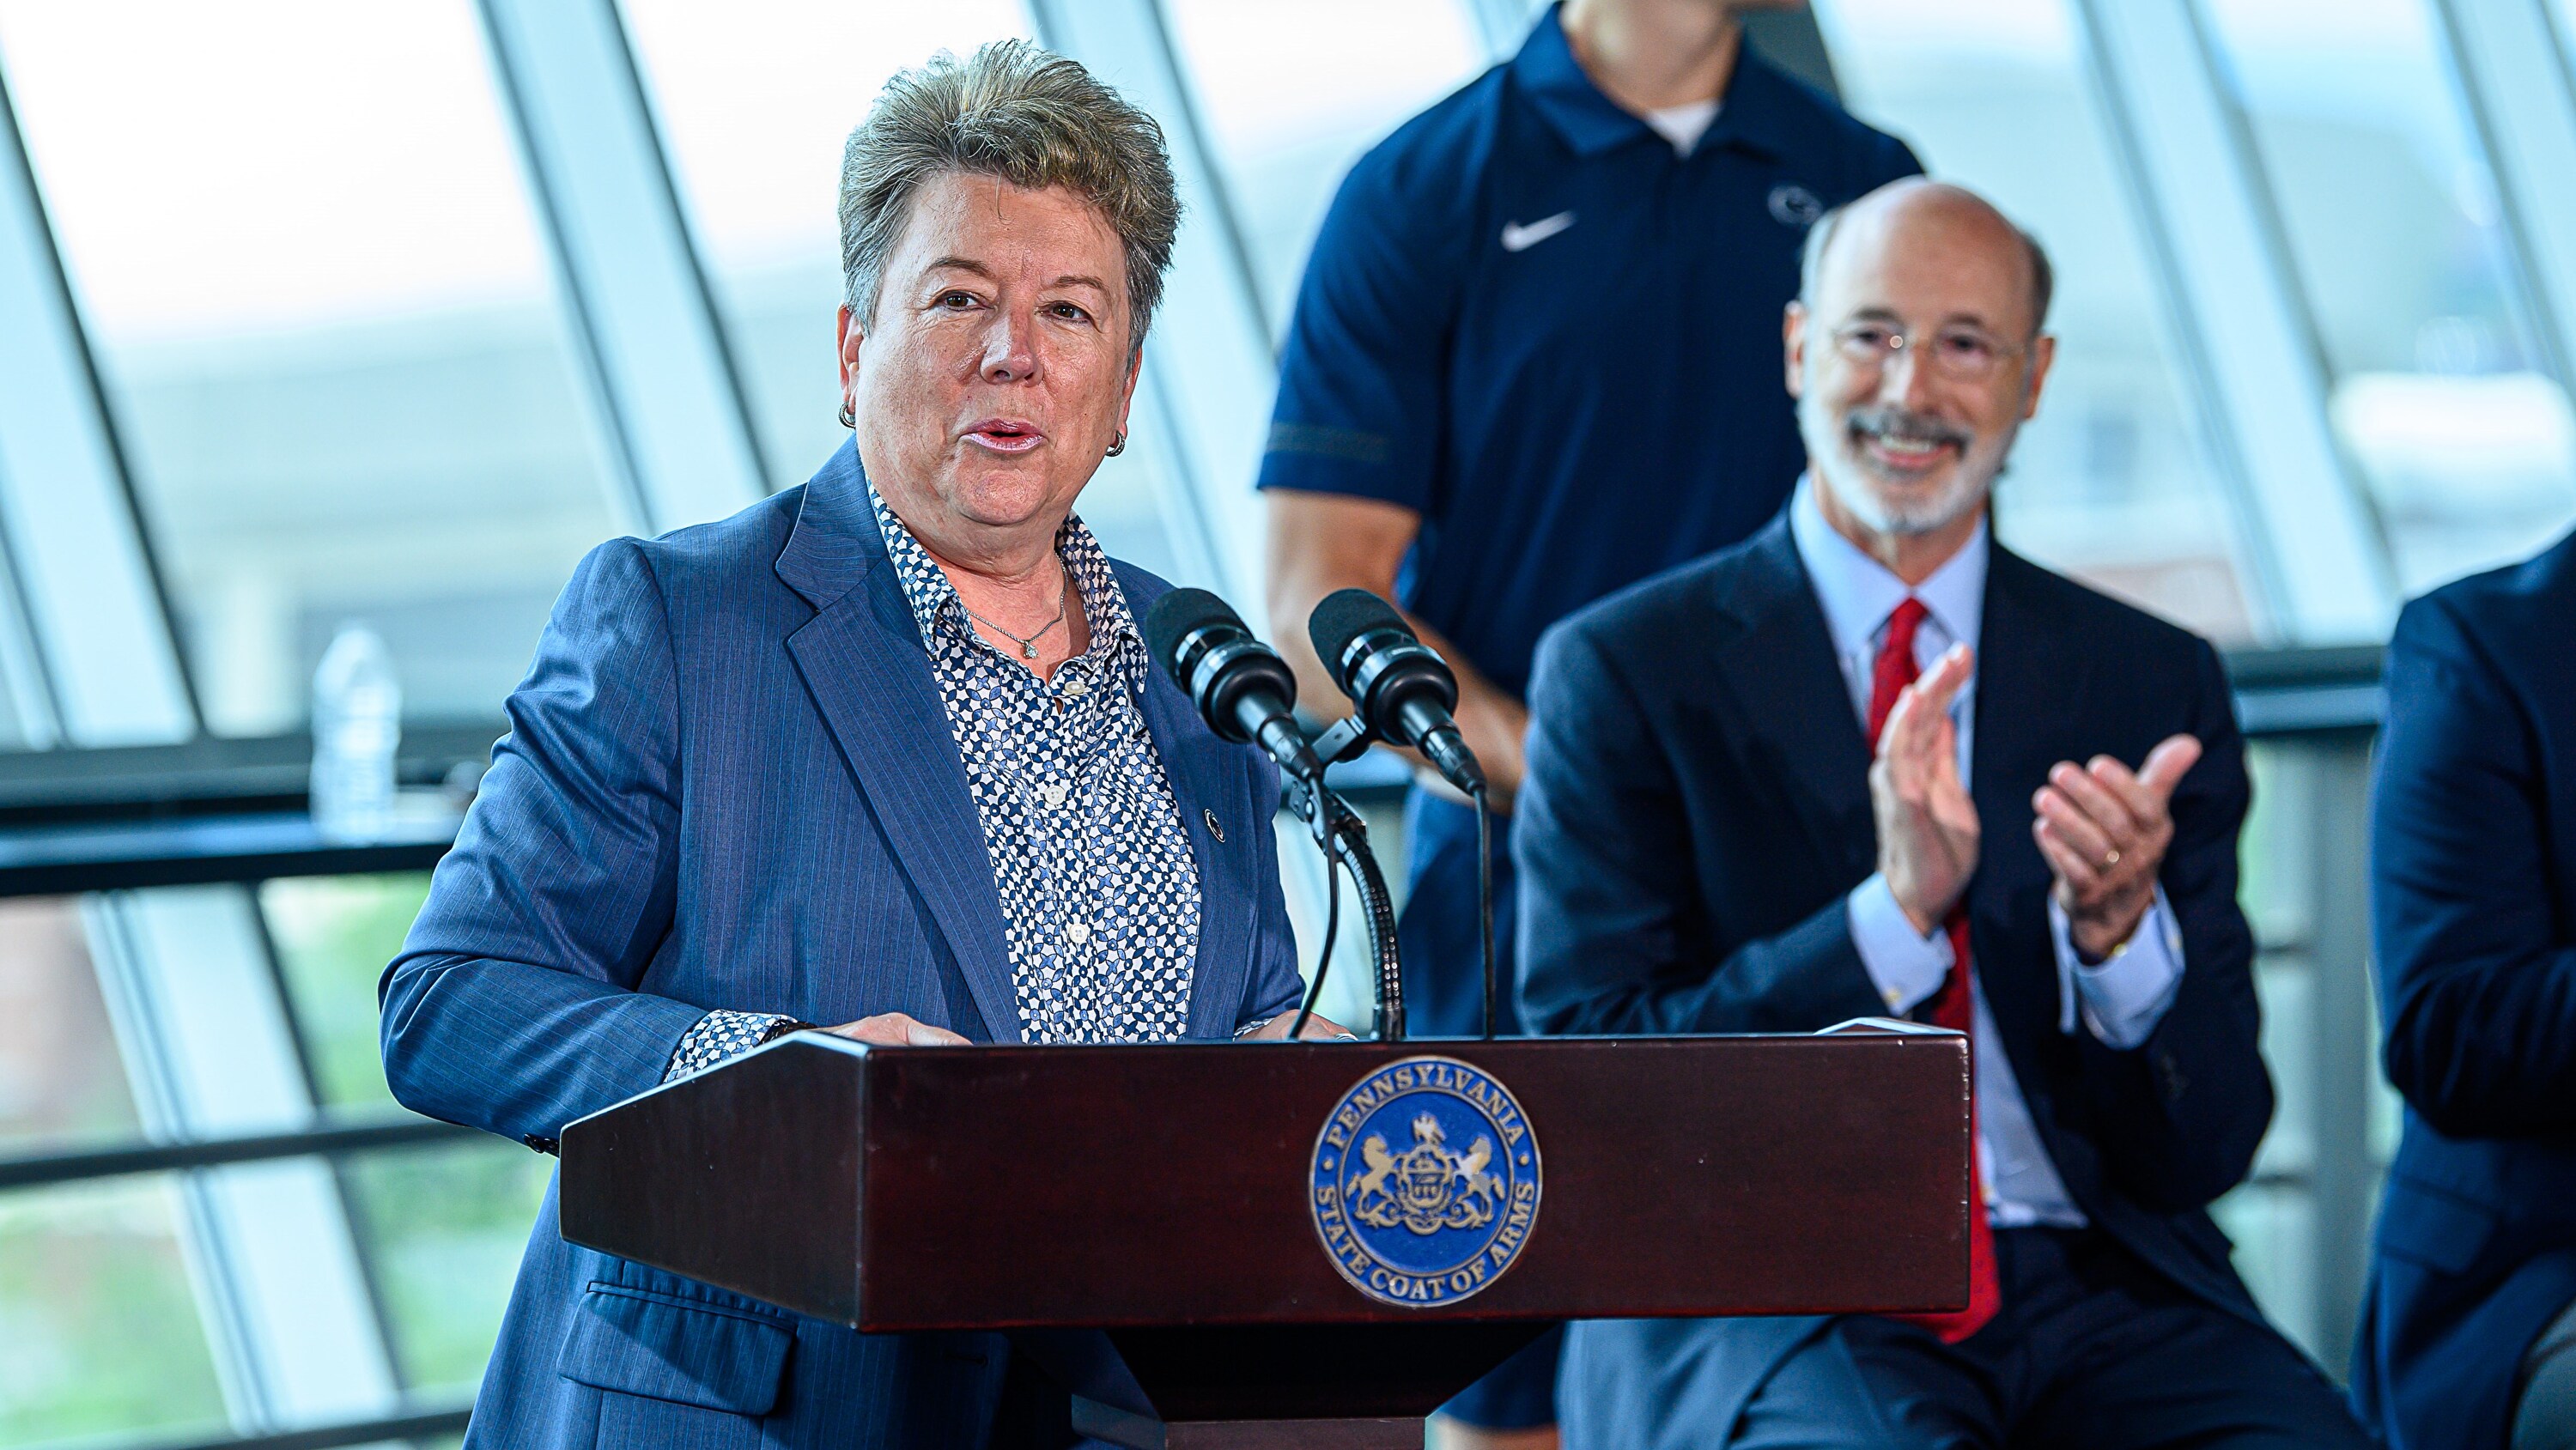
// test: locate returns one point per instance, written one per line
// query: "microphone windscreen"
(1345, 615)
(1176, 615)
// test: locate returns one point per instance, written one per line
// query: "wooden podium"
(1145, 1220)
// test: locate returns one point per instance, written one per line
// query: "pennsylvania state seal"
(1425, 1182)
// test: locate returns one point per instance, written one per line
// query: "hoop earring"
(1119, 446)
(848, 419)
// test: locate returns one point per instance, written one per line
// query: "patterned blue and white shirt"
(1099, 892)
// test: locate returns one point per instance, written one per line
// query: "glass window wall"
(441, 1229)
(97, 1314)
(314, 287)
(2440, 396)
(60, 1080)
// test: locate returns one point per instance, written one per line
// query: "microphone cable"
(1323, 959)
(1485, 896)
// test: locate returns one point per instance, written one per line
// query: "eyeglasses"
(1966, 354)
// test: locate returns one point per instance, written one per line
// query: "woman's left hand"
(1318, 1029)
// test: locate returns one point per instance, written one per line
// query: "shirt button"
(1078, 933)
(1054, 795)
(1074, 686)
(1893, 996)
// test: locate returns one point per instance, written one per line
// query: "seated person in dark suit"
(1869, 762)
(883, 751)
(2468, 1337)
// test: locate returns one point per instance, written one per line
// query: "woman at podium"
(883, 751)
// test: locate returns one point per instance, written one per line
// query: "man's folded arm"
(513, 1005)
(2476, 984)
(1604, 853)
(2192, 1098)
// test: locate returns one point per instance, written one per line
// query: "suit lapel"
(1777, 667)
(2031, 684)
(1207, 778)
(862, 660)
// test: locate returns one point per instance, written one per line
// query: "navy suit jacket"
(2473, 911)
(729, 782)
(1697, 808)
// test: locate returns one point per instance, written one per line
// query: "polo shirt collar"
(1756, 114)
(1751, 115)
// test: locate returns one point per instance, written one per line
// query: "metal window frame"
(2237, 320)
(666, 395)
(2509, 63)
(203, 1034)
(96, 616)
(1212, 364)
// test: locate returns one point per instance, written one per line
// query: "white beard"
(1858, 492)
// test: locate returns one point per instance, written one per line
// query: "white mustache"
(1897, 425)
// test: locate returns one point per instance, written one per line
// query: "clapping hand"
(2104, 831)
(1927, 825)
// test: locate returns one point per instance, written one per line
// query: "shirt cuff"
(718, 1036)
(2122, 999)
(1905, 965)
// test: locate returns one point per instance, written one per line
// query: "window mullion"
(2238, 323)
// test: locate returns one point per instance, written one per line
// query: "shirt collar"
(1750, 114)
(1858, 593)
(934, 600)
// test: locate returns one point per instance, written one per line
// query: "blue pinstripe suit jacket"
(729, 782)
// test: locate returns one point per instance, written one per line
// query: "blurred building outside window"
(2108, 483)
(99, 1330)
(2466, 442)
(312, 280)
(442, 1229)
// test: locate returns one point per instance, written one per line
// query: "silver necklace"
(1028, 643)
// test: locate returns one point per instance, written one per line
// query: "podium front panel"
(1014, 1187)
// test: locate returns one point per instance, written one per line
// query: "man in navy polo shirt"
(1536, 358)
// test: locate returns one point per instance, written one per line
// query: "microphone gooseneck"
(1242, 688)
(1404, 690)
(1244, 691)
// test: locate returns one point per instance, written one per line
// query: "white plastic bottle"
(357, 722)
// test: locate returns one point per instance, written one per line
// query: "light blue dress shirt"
(2119, 1001)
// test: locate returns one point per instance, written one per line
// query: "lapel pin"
(1213, 828)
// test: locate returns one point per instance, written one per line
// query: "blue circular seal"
(1425, 1182)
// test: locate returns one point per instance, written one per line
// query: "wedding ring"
(2111, 860)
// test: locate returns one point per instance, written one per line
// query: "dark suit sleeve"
(2477, 983)
(513, 1005)
(2182, 1112)
(1603, 846)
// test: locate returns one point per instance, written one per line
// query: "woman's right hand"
(896, 1029)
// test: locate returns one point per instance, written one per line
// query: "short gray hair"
(1820, 237)
(1028, 116)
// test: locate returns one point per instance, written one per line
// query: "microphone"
(1403, 689)
(1242, 688)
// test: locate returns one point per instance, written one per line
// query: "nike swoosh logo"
(1518, 238)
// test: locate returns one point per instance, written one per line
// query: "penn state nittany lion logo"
(1425, 1182)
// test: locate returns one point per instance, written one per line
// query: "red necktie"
(1948, 1007)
